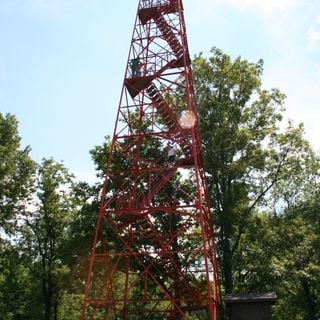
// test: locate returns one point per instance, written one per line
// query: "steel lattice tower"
(153, 255)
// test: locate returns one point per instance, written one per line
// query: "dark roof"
(270, 297)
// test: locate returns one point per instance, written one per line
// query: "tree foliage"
(297, 254)
(16, 173)
(264, 187)
(44, 232)
(15, 280)
(246, 153)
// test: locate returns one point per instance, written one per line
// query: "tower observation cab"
(153, 255)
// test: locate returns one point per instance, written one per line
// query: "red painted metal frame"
(153, 255)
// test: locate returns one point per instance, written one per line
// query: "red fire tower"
(153, 255)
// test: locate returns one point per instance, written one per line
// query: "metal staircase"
(153, 254)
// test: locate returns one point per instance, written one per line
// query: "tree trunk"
(45, 292)
(227, 265)
(55, 306)
(310, 301)
(226, 235)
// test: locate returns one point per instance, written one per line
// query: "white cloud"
(88, 176)
(301, 84)
(314, 37)
(273, 10)
(263, 5)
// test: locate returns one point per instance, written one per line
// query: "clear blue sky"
(62, 63)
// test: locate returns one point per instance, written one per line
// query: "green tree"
(297, 252)
(44, 233)
(298, 263)
(253, 267)
(16, 186)
(246, 153)
(16, 173)
(15, 283)
(79, 235)
(70, 306)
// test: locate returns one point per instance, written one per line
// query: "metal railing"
(144, 4)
